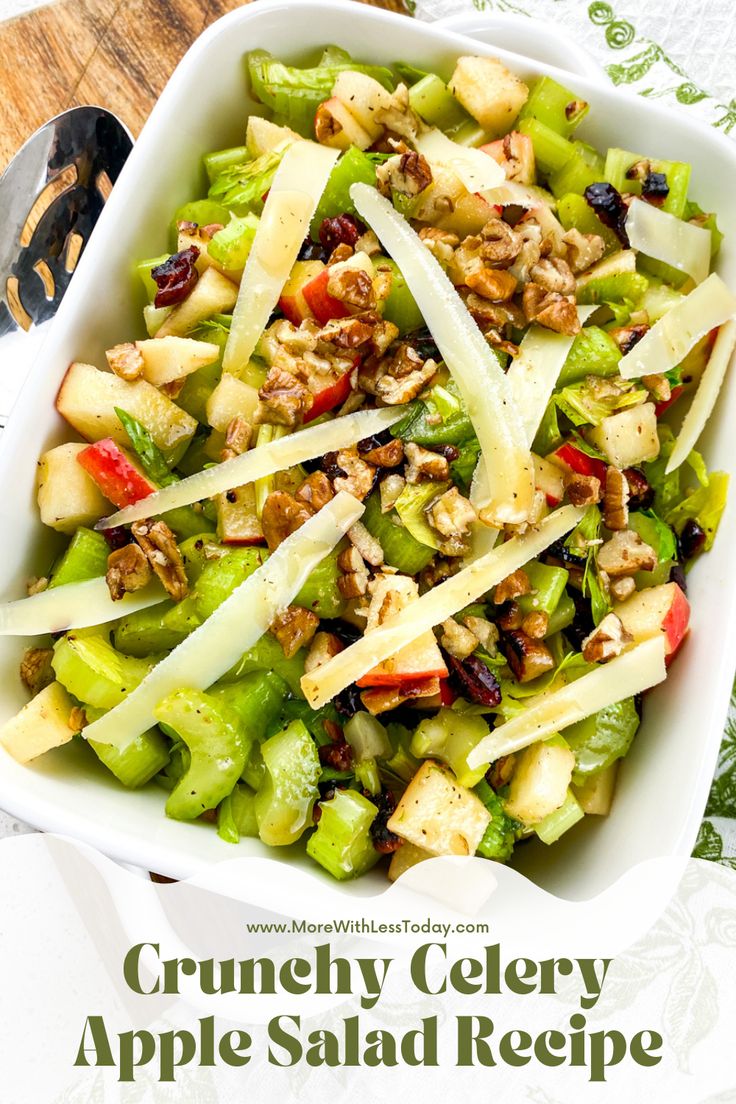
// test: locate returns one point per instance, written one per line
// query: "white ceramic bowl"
(665, 779)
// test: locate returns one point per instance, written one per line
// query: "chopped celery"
(241, 188)
(705, 505)
(555, 106)
(583, 405)
(562, 616)
(623, 285)
(286, 797)
(421, 425)
(450, 737)
(267, 655)
(560, 821)
(593, 353)
(548, 587)
(695, 213)
(548, 435)
(602, 738)
(217, 162)
(661, 538)
(148, 631)
(470, 134)
(575, 214)
(342, 843)
(193, 398)
(400, 306)
(198, 552)
(263, 487)
(202, 211)
(257, 699)
(400, 549)
(320, 593)
(401, 762)
(137, 763)
(230, 246)
(143, 268)
(236, 815)
(188, 521)
(658, 299)
(211, 732)
(663, 271)
(619, 161)
(411, 506)
(551, 151)
(574, 177)
(354, 167)
(367, 737)
(220, 577)
(434, 102)
(94, 672)
(85, 558)
(501, 834)
(368, 776)
(295, 94)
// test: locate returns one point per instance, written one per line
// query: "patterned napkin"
(677, 51)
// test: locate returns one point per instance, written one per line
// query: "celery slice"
(560, 821)
(285, 799)
(94, 672)
(85, 558)
(342, 842)
(137, 764)
(555, 106)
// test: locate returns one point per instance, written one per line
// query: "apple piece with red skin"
(422, 660)
(515, 153)
(660, 407)
(660, 609)
(115, 473)
(550, 479)
(323, 306)
(574, 459)
(333, 394)
(292, 302)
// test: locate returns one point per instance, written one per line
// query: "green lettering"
(418, 969)
(278, 1034)
(233, 1048)
(644, 1056)
(132, 968)
(471, 1045)
(99, 1043)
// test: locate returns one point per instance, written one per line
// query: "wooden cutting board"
(116, 53)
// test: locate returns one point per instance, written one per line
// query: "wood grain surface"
(117, 53)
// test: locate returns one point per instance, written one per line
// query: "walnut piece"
(424, 465)
(390, 488)
(128, 570)
(441, 243)
(284, 398)
(583, 250)
(294, 628)
(347, 333)
(322, 649)
(353, 582)
(527, 658)
(358, 478)
(369, 548)
(451, 514)
(407, 173)
(500, 245)
(554, 274)
(583, 490)
(551, 309)
(622, 588)
(353, 287)
(498, 285)
(606, 641)
(389, 455)
(237, 438)
(515, 585)
(535, 624)
(282, 515)
(315, 492)
(162, 551)
(36, 672)
(397, 378)
(485, 631)
(126, 361)
(625, 554)
(616, 499)
(457, 639)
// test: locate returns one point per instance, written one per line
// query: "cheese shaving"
(666, 238)
(474, 169)
(702, 405)
(72, 606)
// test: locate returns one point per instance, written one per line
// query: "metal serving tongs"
(51, 195)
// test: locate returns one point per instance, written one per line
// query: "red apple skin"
(118, 479)
(292, 303)
(424, 667)
(676, 621)
(323, 306)
(660, 407)
(662, 609)
(579, 461)
(334, 394)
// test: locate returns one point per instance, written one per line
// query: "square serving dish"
(665, 779)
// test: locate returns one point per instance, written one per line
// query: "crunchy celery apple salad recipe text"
(377, 538)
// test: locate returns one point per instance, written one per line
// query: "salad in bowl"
(378, 530)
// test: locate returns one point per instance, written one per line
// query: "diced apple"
(622, 262)
(489, 92)
(41, 725)
(629, 437)
(595, 796)
(229, 399)
(186, 238)
(118, 477)
(263, 136)
(328, 393)
(292, 303)
(67, 496)
(324, 306)
(469, 215)
(237, 519)
(212, 294)
(364, 97)
(87, 399)
(167, 359)
(660, 609)
(515, 154)
(549, 479)
(419, 660)
(540, 781)
(336, 127)
(407, 856)
(438, 815)
(154, 318)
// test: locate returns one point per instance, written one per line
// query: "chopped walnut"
(383, 698)
(128, 570)
(326, 126)
(536, 624)
(485, 631)
(358, 478)
(389, 455)
(316, 491)
(498, 285)
(353, 287)
(284, 398)
(353, 582)
(515, 585)
(162, 551)
(237, 438)
(509, 616)
(282, 515)
(36, 672)
(622, 588)
(36, 585)
(554, 274)
(407, 173)
(583, 250)
(500, 245)
(457, 639)
(390, 488)
(341, 252)
(451, 514)
(126, 361)
(383, 335)
(625, 554)
(323, 648)
(436, 572)
(501, 771)
(527, 658)
(424, 465)
(369, 548)
(294, 628)
(583, 490)
(397, 378)
(347, 333)
(441, 243)
(658, 387)
(77, 719)
(368, 243)
(616, 499)
(551, 309)
(626, 337)
(606, 641)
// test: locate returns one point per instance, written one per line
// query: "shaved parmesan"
(434, 607)
(702, 405)
(72, 606)
(235, 626)
(292, 200)
(475, 368)
(476, 170)
(666, 238)
(628, 674)
(671, 339)
(261, 462)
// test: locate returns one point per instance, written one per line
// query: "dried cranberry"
(450, 452)
(176, 277)
(375, 441)
(312, 251)
(117, 537)
(346, 633)
(424, 343)
(655, 188)
(474, 680)
(677, 575)
(582, 623)
(630, 336)
(338, 755)
(691, 539)
(384, 841)
(341, 230)
(610, 208)
(348, 702)
(330, 466)
(641, 492)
